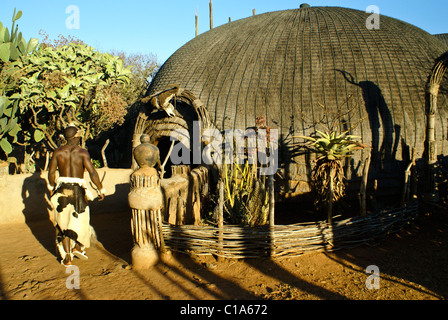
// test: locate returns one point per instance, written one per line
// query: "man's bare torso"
(70, 161)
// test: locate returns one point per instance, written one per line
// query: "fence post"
(220, 215)
(271, 213)
(196, 24)
(211, 14)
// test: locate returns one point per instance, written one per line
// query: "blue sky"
(161, 27)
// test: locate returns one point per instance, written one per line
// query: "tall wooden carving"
(146, 201)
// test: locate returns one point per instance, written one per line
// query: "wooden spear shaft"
(211, 15)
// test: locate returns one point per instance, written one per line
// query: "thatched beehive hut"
(299, 67)
(443, 37)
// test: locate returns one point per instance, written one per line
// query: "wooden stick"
(330, 196)
(103, 154)
(155, 235)
(220, 215)
(272, 212)
(160, 230)
(363, 191)
(211, 14)
(196, 18)
(162, 167)
(47, 161)
(407, 185)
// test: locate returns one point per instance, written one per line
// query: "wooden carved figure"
(146, 201)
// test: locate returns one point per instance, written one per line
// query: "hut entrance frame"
(430, 156)
(157, 122)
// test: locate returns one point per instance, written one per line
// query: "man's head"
(71, 133)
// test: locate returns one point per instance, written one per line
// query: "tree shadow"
(113, 229)
(410, 254)
(272, 268)
(257, 258)
(386, 138)
(379, 117)
(205, 277)
(3, 294)
(37, 210)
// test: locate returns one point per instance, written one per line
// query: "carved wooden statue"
(146, 201)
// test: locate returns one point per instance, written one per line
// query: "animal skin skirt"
(72, 214)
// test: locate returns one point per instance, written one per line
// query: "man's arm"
(94, 177)
(52, 173)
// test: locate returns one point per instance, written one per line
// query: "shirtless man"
(69, 196)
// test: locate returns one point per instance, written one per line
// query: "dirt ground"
(412, 264)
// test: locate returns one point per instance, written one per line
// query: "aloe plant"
(328, 173)
(332, 146)
(247, 197)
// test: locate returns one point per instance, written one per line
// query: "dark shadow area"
(206, 277)
(113, 232)
(182, 271)
(118, 152)
(384, 166)
(287, 213)
(113, 229)
(37, 211)
(379, 117)
(273, 269)
(3, 294)
(416, 257)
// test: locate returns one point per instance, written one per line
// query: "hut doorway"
(170, 149)
(170, 114)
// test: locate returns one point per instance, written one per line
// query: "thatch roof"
(443, 37)
(284, 64)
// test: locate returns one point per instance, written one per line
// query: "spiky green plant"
(246, 195)
(328, 173)
(332, 146)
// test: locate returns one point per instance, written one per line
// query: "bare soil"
(413, 266)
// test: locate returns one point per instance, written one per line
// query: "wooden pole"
(430, 143)
(272, 212)
(432, 91)
(103, 153)
(220, 215)
(331, 196)
(407, 181)
(271, 201)
(363, 190)
(211, 14)
(47, 161)
(196, 23)
(160, 230)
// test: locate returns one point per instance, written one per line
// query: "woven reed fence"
(286, 240)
